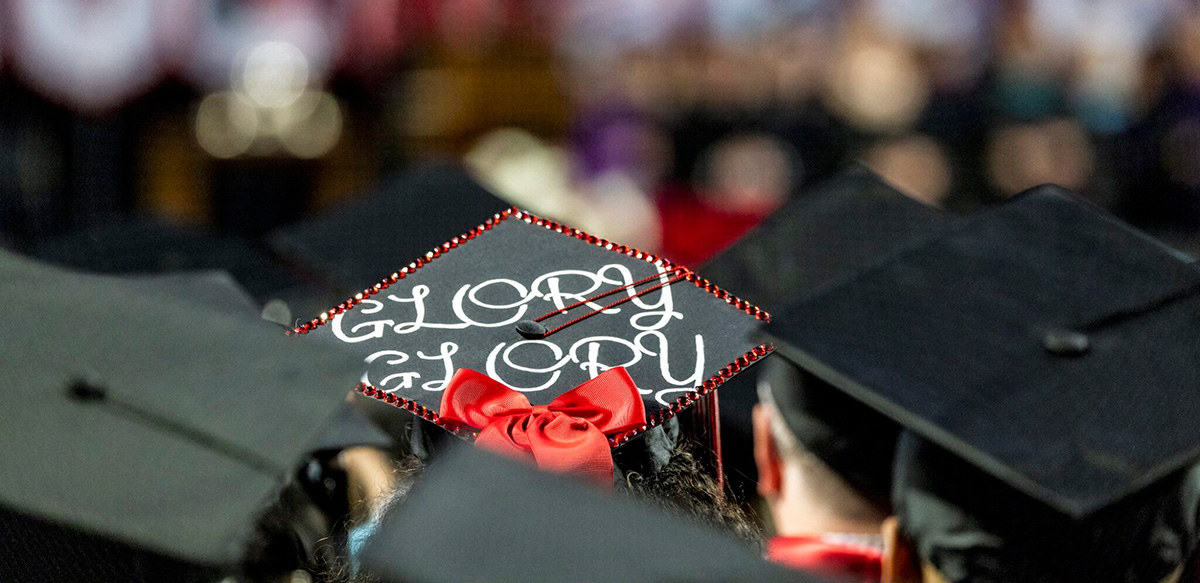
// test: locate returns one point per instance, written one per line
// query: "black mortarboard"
(213, 289)
(476, 517)
(363, 238)
(846, 224)
(1044, 342)
(543, 308)
(147, 247)
(838, 229)
(159, 424)
(218, 291)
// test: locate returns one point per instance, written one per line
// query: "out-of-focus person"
(824, 470)
(743, 179)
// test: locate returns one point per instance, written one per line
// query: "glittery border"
(657, 418)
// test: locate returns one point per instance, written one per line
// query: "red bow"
(568, 435)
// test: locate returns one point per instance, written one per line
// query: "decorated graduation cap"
(143, 429)
(839, 228)
(1045, 344)
(538, 339)
(406, 213)
(536, 527)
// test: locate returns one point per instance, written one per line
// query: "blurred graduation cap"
(213, 289)
(840, 228)
(542, 309)
(150, 247)
(364, 238)
(846, 224)
(1045, 343)
(478, 517)
(135, 420)
(218, 291)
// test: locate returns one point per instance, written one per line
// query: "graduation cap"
(482, 518)
(838, 229)
(152, 247)
(133, 419)
(214, 289)
(217, 290)
(1044, 342)
(846, 224)
(366, 237)
(523, 312)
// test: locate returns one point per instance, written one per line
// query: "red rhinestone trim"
(521, 215)
(400, 402)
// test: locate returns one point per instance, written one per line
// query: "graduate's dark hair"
(685, 487)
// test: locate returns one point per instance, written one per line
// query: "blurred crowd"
(671, 124)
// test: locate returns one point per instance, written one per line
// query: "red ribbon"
(568, 435)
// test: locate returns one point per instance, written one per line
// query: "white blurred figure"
(93, 55)
(876, 85)
(227, 32)
(736, 21)
(270, 108)
(954, 32)
(525, 171)
(599, 31)
(536, 176)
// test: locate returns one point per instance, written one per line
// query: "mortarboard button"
(531, 329)
(1066, 343)
(85, 390)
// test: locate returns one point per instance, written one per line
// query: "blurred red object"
(693, 230)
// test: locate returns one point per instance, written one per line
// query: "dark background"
(671, 125)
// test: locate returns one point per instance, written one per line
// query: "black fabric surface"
(150, 463)
(702, 335)
(842, 226)
(839, 228)
(474, 517)
(212, 289)
(150, 247)
(360, 241)
(36, 551)
(948, 339)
